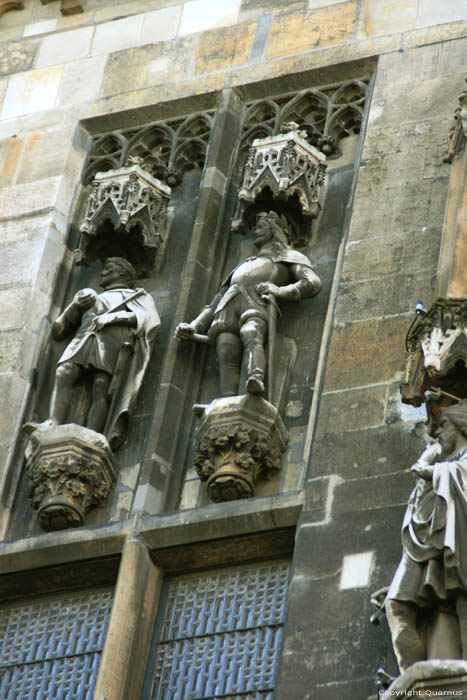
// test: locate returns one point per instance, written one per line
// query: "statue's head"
(271, 227)
(117, 272)
(452, 428)
(457, 415)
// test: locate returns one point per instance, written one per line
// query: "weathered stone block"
(295, 33)
(47, 25)
(29, 197)
(17, 57)
(224, 48)
(365, 352)
(351, 410)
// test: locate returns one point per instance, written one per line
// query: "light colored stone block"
(24, 199)
(31, 92)
(11, 151)
(356, 570)
(34, 166)
(82, 80)
(64, 47)
(199, 15)
(117, 35)
(387, 17)
(161, 25)
(48, 25)
(431, 12)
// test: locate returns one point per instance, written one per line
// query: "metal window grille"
(219, 634)
(50, 649)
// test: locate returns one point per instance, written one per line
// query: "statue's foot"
(255, 386)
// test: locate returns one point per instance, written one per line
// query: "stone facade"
(186, 87)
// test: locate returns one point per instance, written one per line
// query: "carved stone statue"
(113, 334)
(242, 314)
(431, 579)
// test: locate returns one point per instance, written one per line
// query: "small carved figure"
(242, 314)
(432, 574)
(114, 333)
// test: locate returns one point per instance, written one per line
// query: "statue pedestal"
(438, 677)
(70, 470)
(239, 440)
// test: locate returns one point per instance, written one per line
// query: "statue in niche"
(242, 314)
(432, 575)
(114, 333)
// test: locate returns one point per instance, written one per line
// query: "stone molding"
(136, 205)
(70, 470)
(240, 439)
(430, 678)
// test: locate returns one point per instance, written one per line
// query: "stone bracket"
(240, 439)
(70, 470)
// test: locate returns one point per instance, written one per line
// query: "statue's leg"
(461, 609)
(402, 620)
(66, 375)
(253, 334)
(99, 401)
(229, 355)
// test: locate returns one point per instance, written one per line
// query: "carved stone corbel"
(291, 170)
(240, 439)
(125, 216)
(70, 471)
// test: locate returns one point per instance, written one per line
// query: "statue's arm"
(306, 284)
(200, 324)
(70, 318)
(423, 467)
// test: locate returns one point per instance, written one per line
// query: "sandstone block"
(350, 410)
(200, 15)
(17, 56)
(298, 32)
(224, 48)
(47, 25)
(64, 47)
(34, 166)
(26, 198)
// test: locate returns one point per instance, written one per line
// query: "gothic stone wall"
(114, 65)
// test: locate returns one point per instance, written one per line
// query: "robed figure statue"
(238, 319)
(113, 334)
(432, 574)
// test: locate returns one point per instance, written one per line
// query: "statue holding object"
(242, 314)
(113, 335)
(431, 578)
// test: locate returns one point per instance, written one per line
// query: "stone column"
(126, 650)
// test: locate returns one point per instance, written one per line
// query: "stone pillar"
(124, 659)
